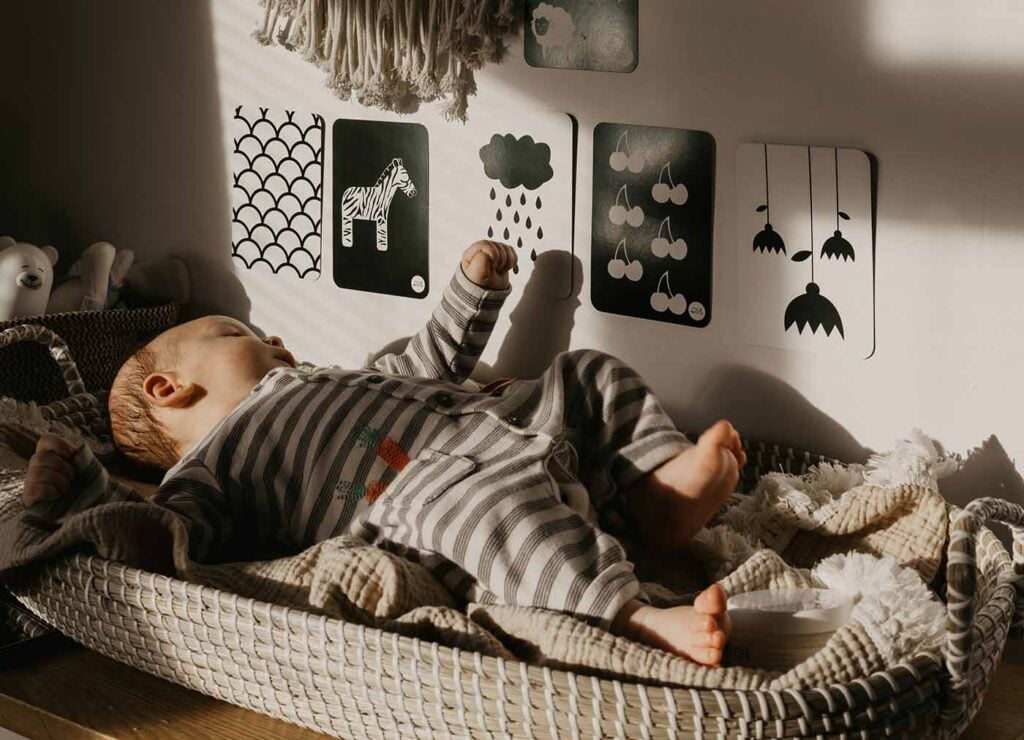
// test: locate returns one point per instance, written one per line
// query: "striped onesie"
(498, 494)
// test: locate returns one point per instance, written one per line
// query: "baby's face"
(224, 357)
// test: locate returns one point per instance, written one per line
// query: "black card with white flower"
(804, 248)
(653, 221)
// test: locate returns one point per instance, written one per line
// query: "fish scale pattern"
(277, 190)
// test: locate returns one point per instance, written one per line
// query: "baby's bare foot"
(673, 502)
(697, 632)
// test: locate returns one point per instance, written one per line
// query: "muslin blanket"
(877, 531)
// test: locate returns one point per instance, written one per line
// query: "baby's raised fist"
(487, 264)
(50, 470)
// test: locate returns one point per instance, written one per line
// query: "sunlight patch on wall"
(943, 33)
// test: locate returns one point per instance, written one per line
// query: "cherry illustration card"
(651, 249)
(380, 207)
(277, 190)
(508, 175)
(595, 35)
(804, 248)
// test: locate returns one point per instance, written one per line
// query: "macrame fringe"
(394, 54)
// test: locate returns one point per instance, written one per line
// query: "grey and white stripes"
(474, 486)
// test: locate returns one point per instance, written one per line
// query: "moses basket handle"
(58, 350)
(961, 576)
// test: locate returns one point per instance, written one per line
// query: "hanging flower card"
(594, 35)
(805, 252)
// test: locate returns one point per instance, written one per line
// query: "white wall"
(116, 126)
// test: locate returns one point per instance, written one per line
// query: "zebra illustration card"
(654, 196)
(380, 207)
(804, 248)
(277, 190)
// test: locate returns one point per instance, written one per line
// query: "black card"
(653, 222)
(381, 207)
(595, 35)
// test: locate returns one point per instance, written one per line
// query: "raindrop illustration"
(506, 232)
(508, 200)
(540, 233)
(522, 199)
(490, 233)
(497, 214)
(493, 194)
(538, 203)
(515, 270)
(519, 242)
(516, 217)
(529, 223)
(533, 254)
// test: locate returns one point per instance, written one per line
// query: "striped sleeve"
(448, 347)
(196, 498)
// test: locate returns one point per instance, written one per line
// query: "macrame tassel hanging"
(394, 54)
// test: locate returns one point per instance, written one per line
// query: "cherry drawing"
(836, 245)
(767, 239)
(618, 214)
(629, 268)
(663, 192)
(662, 247)
(812, 308)
(660, 302)
(624, 157)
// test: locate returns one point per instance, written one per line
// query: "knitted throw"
(394, 54)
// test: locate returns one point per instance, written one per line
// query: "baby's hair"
(137, 432)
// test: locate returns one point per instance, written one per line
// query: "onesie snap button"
(444, 399)
(514, 419)
(375, 379)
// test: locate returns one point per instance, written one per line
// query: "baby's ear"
(165, 390)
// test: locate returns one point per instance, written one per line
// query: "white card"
(804, 248)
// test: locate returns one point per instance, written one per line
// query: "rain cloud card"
(652, 224)
(595, 35)
(804, 248)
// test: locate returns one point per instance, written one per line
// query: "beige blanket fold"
(867, 529)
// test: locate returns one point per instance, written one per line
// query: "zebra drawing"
(373, 203)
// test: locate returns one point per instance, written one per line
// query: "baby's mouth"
(287, 357)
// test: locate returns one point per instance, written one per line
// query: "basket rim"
(82, 314)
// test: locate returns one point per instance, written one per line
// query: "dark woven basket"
(100, 341)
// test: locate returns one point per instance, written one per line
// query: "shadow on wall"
(113, 133)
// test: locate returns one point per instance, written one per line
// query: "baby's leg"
(670, 504)
(695, 632)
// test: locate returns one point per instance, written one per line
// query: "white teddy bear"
(26, 277)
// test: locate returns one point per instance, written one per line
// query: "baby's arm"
(448, 347)
(63, 480)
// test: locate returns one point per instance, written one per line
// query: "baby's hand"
(50, 471)
(487, 264)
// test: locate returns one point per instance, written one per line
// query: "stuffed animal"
(94, 280)
(153, 282)
(26, 276)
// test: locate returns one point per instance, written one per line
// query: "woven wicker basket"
(354, 681)
(99, 340)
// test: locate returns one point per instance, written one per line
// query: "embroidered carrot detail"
(388, 449)
(374, 489)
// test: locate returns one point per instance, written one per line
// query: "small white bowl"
(777, 630)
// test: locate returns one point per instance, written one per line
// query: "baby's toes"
(706, 656)
(712, 603)
(714, 639)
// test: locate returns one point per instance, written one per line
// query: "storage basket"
(99, 340)
(355, 681)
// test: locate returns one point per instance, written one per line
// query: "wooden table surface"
(62, 690)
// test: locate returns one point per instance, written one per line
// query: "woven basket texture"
(354, 681)
(100, 341)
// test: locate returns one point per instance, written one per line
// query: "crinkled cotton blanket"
(875, 531)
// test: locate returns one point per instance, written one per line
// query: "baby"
(508, 494)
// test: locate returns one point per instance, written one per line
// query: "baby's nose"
(274, 341)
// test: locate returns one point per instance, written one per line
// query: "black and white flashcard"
(595, 35)
(381, 207)
(804, 248)
(654, 195)
(508, 176)
(277, 190)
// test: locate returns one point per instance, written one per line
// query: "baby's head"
(170, 393)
